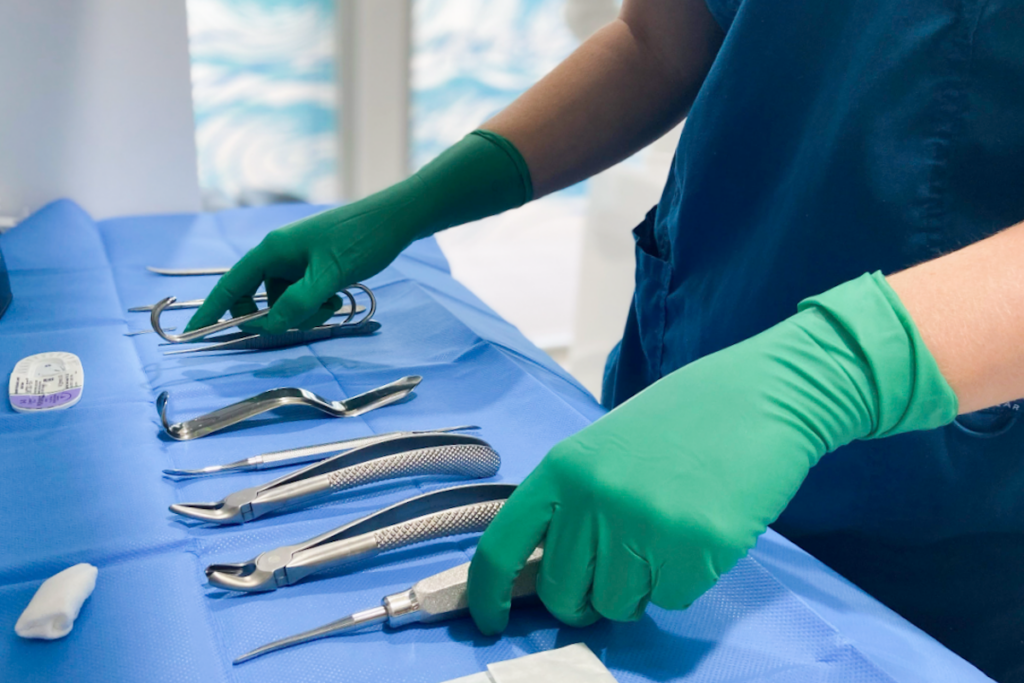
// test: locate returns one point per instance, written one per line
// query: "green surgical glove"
(661, 496)
(306, 263)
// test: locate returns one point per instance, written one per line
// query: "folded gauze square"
(54, 607)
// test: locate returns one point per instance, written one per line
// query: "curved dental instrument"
(188, 271)
(136, 333)
(196, 303)
(435, 598)
(286, 396)
(439, 514)
(454, 455)
(299, 456)
(161, 306)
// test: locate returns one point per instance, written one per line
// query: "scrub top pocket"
(653, 274)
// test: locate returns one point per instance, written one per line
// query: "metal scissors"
(244, 341)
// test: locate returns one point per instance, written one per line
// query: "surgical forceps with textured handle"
(455, 455)
(303, 455)
(435, 598)
(430, 516)
(244, 341)
(278, 398)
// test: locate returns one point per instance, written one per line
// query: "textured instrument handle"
(443, 596)
(471, 461)
(466, 519)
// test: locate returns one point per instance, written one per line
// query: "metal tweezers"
(245, 341)
(301, 456)
(407, 456)
(278, 398)
(439, 514)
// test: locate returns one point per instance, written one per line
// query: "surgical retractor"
(452, 455)
(239, 341)
(439, 514)
(300, 456)
(435, 598)
(277, 398)
(196, 303)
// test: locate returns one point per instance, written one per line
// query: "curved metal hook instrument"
(202, 332)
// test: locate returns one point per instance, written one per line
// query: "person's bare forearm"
(623, 88)
(969, 308)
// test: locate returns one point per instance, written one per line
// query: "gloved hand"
(306, 263)
(661, 496)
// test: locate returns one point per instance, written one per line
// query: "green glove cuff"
(481, 175)
(910, 392)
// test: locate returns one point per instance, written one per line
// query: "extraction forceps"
(300, 456)
(454, 455)
(285, 396)
(435, 598)
(250, 342)
(439, 514)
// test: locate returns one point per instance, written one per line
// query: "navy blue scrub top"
(833, 138)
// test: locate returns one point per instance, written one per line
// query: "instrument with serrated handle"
(439, 514)
(301, 456)
(455, 455)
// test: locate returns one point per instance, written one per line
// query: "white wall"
(373, 79)
(96, 106)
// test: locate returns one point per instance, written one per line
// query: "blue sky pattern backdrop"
(263, 91)
(471, 58)
(265, 96)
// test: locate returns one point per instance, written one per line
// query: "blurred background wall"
(95, 106)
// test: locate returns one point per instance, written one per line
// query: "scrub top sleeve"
(724, 11)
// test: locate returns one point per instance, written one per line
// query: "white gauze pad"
(54, 607)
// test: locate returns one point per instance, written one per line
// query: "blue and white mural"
(471, 58)
(264, 87)
(264, 95)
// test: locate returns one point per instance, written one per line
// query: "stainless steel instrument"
(259, 297)
(435, 598)
(136, 333)
(439, 514)
(287, 396)
(188, 271)
(252, 342)
(299, 456)
(452, 455)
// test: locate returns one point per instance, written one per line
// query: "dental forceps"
(435, 598)
(252, 342)
(407, 456)
(285, 396)
(449, 512)
(300, 456)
